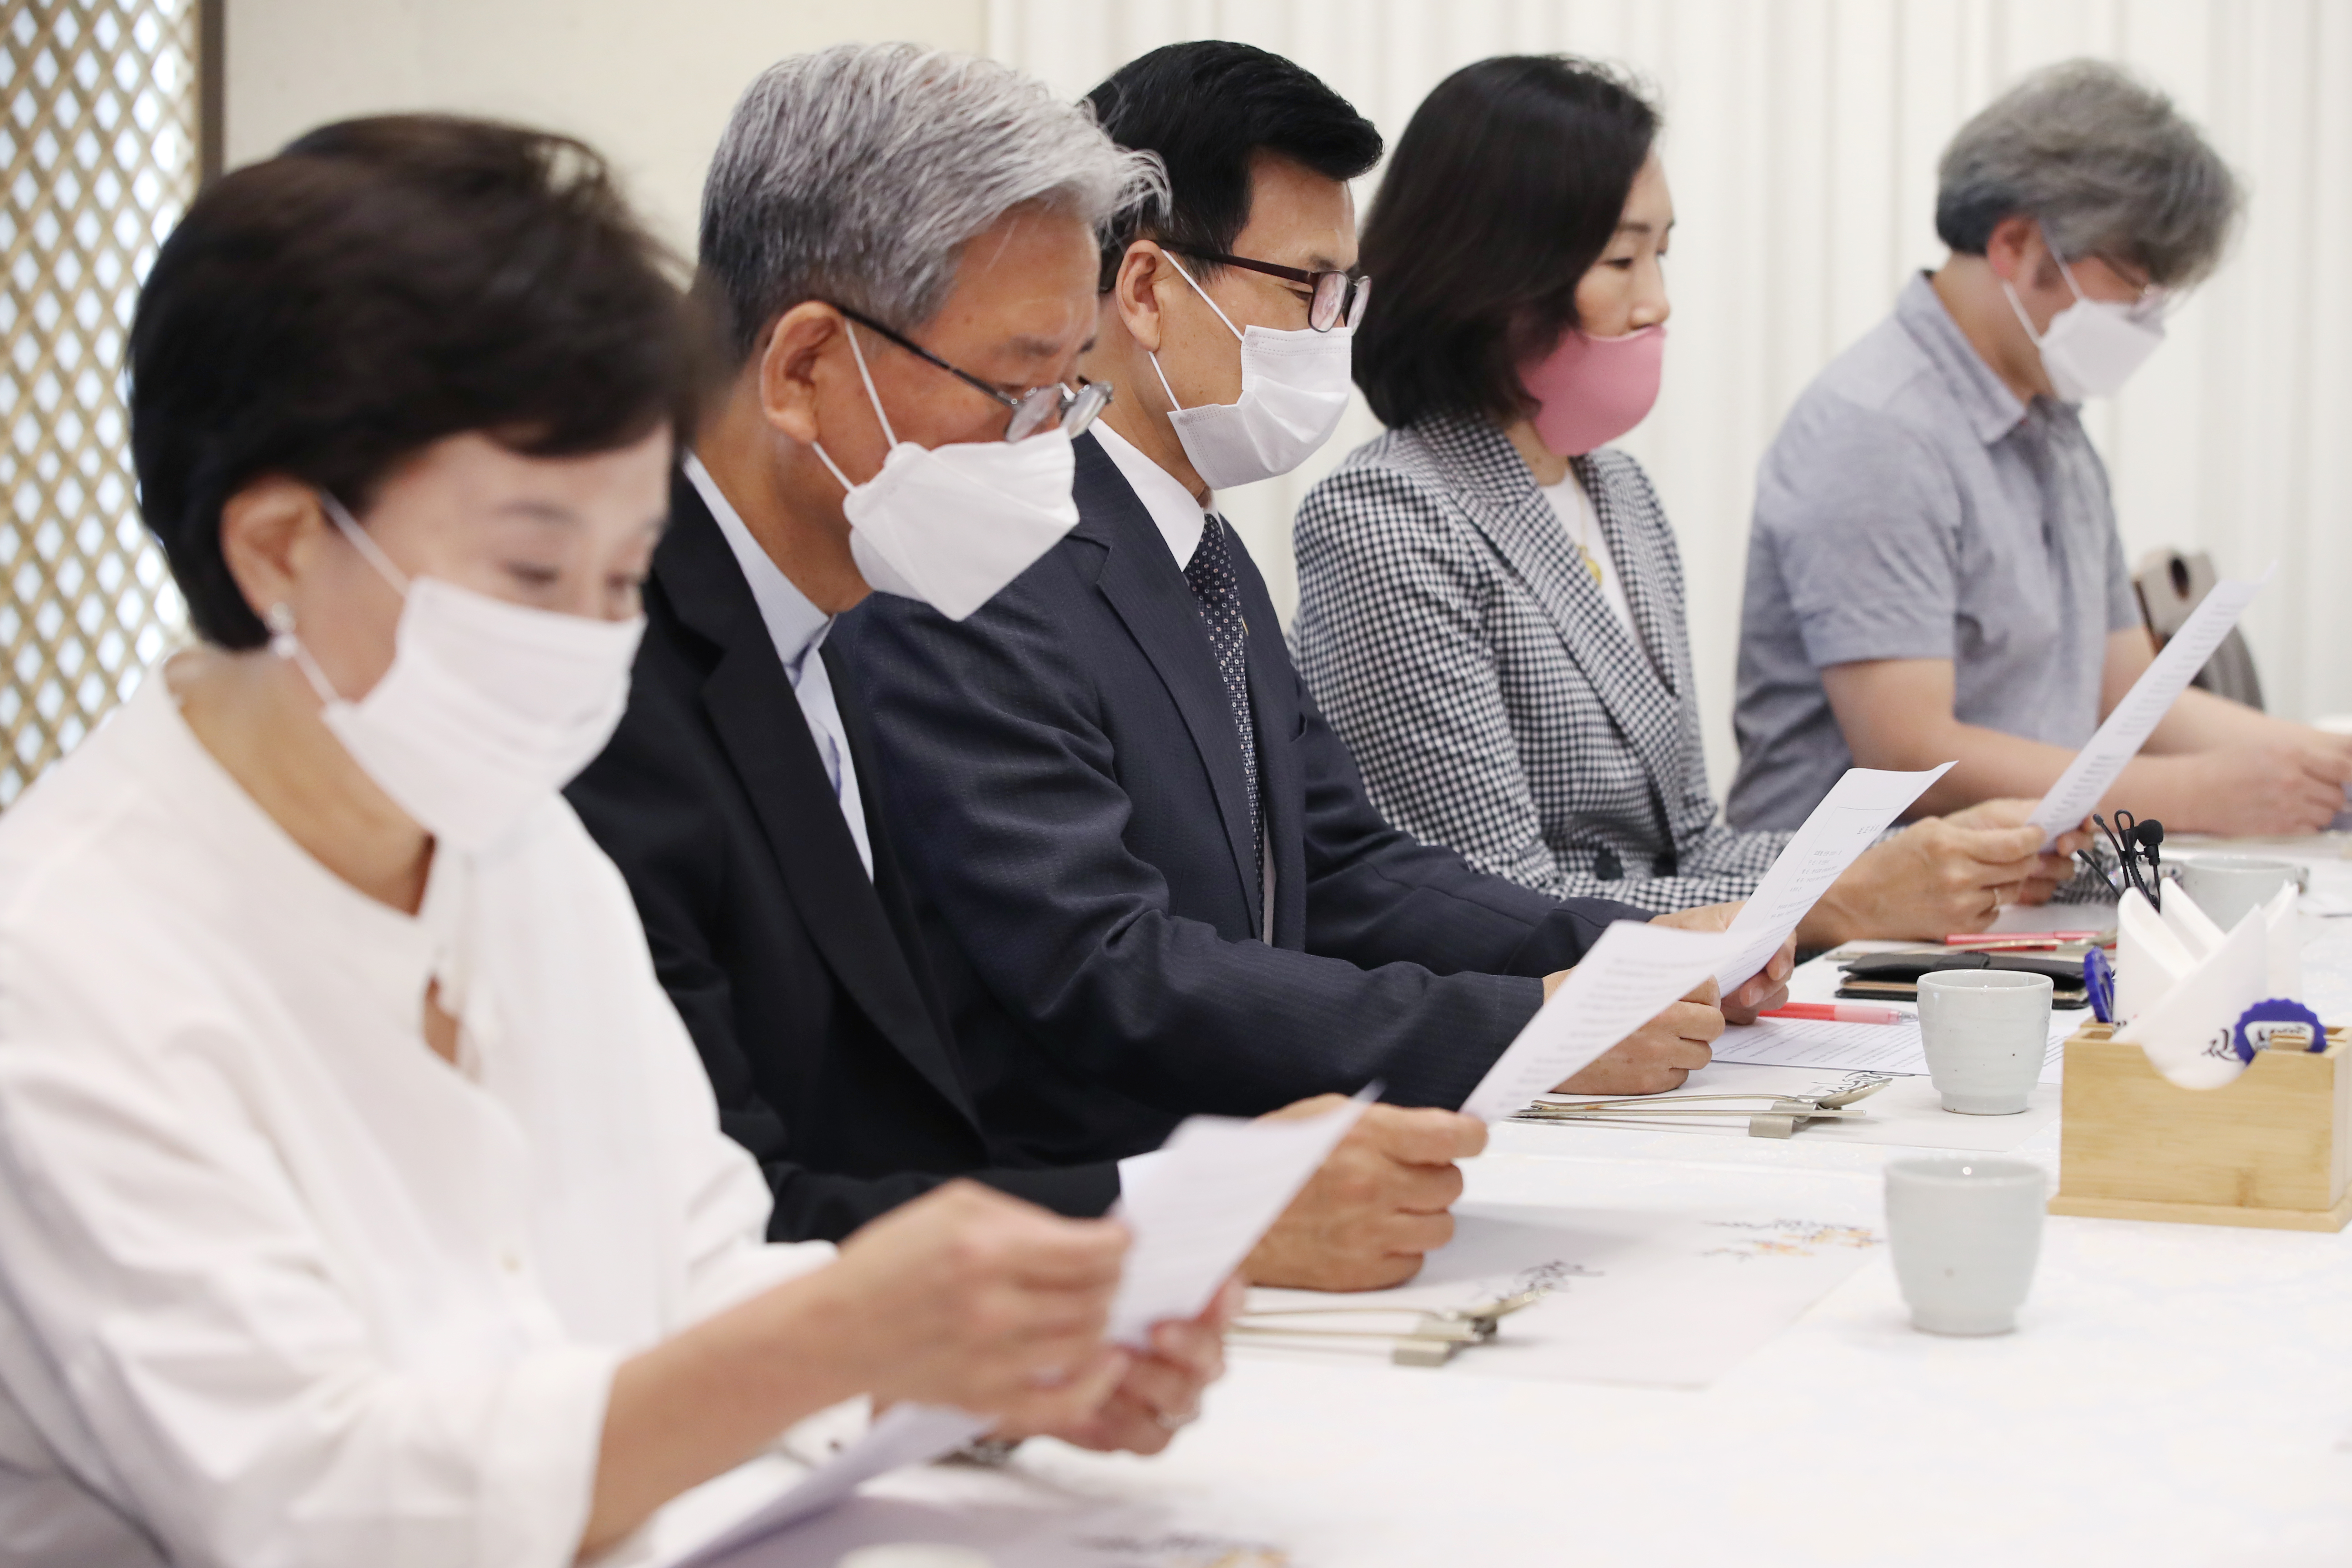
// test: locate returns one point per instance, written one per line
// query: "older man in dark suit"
(1155, 881)
(913, 287)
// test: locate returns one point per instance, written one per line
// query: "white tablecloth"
(2174, 1395)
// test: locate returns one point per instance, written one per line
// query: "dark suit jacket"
(802, 982)
(1066, 784)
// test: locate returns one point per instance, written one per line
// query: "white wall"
(1802, 143)
(648, 85)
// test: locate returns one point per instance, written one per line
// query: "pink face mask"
(1590, 391)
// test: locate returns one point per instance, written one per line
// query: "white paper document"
(1626, 980)
(1216, 1187)
(2096, 766)
(1861, 1047)
(1858, 808)
(1631, 1295)
(904, 1435)
(1195, 1211)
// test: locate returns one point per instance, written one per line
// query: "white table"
(2174, 1395)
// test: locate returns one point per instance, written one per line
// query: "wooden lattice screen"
(98, 135)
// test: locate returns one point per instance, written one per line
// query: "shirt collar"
(1992, 409)
(794, 625)
(1178, 516)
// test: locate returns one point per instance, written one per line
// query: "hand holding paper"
(1198, 1207)
(1631, 974)
(1195, 1213)
(2097, 766)
(1861, 805)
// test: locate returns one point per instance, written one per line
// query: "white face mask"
(1294, 389)
(488, 708)
(2093, 345)
(951, 525)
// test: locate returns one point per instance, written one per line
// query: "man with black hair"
(877, 291)
(1153, 880)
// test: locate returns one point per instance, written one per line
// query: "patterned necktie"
(1218, 592)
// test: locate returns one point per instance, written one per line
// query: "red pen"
(2021, 938)
(1835, 1013)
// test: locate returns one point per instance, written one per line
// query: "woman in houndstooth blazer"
(1510, 664)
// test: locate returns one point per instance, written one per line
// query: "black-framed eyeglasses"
(1033, 410)
(1336, 294)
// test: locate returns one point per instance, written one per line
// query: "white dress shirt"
(1181, 520)
(797, 627)
(277, 1284)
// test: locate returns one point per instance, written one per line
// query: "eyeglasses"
(1031, 410)
(1335, 293)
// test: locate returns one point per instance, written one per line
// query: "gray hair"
(855, 176)
(2104, 160)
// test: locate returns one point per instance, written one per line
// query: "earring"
(280, 620)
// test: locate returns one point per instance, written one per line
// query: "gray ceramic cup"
(1966, 1232)
(1986, 1032)
(2226, 887)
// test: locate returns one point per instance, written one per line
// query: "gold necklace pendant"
(1592, 563)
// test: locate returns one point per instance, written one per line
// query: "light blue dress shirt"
(797, 627)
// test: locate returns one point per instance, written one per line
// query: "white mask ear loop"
(1203, 293)
(2023, 318)
(871, 397)
(1163, 384)
(287, 646)
(2063, 270)
(368, 548)
(282, 640)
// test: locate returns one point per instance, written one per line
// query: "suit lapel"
(1653, 585)
(759, 725)
(1501, 500)
(1145, 588)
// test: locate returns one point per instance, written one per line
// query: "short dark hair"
(1502, 192)
(1205, 108)
(380, 285)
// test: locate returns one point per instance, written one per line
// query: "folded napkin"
(2181, 984)
(2186, 1031)
(2283, 917)
(2151, 957)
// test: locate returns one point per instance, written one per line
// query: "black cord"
(2127, 847)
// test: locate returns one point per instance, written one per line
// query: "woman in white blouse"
(361, 1199)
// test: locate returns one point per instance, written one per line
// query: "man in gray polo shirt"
(1934, 571)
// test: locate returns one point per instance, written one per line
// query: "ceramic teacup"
(1966, 1232)
(1986, 1032)
(2226, 887)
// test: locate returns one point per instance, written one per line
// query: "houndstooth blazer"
(1495, 703)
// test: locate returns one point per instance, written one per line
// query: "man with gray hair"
(1934, 571)
(898, 248)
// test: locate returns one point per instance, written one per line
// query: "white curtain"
(1802, 143)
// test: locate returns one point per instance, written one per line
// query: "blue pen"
(2099, 980)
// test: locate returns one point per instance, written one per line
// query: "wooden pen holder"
(2272, 1147)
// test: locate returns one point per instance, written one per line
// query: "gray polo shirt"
(1912, 508)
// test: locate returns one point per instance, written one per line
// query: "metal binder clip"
(1433, 1338)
